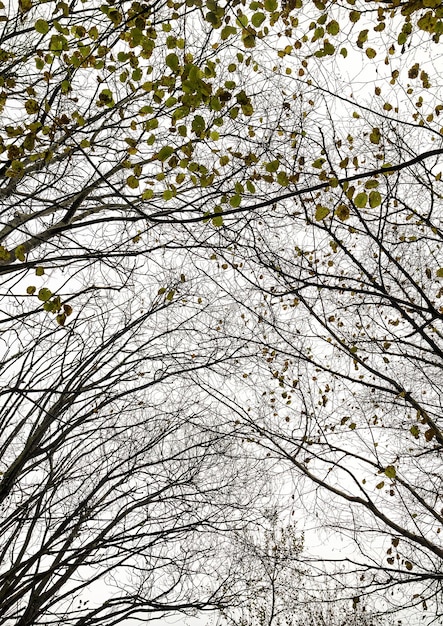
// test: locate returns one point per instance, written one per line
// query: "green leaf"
(371, 184)
(105, 97)
(172, 62)
(380, 485)
(318, 163)
(439, 272)
(360, 200)
(39, 271)
(147, 194)
(362, 38)
(217, 221)
(44, 294)
(132, 182)
(375, 136)
(333, 28)
(271, 5)
(390, 471)
(321, 212)
(4, 254)
(272, 166)
(164, 153)
(248, 39)
(31, 106)
(227, 31)
(235, 201)
(415, 431)
(374, 199)
(20, 253)
(168, 194)
(58, 44)
(41, 26)
(258, 19)
(198, 125)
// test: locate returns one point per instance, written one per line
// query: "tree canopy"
(220, 249)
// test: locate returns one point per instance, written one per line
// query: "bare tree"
(118, 493)
(287, 591)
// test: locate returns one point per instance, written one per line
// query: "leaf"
(375, 136)
(380, 485)
(41, 26)
(360, 200)
(374, 199)
(439, 272)
(31, 106)
(227, 31)
(248, 39)
(132, 182)
(170, 295)
(217, 221)
(172, 62)
(164, 153)
(390, 471)
(333, 28)
(271, 5)
(415, 431)
(61, 319)
(58, 44)
(31, 290)
(258, 19)
(342, 212)
(20, 253)
(318, 163)
(272, 166)
(4, 254)
(168, 194)
(106, 98)
(44, 294)
(321, 212)
(371, 184)
(198, 125)
(429, 434)
(39, 271)
(408, 565)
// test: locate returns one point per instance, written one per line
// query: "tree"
(288, 592)
(201, 204)
(118, 495)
